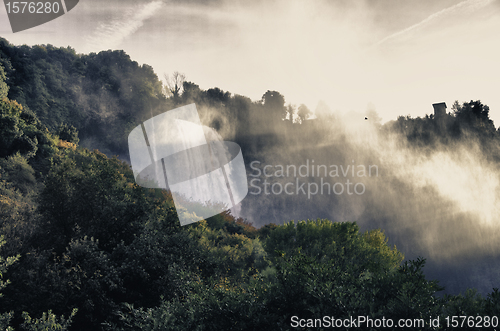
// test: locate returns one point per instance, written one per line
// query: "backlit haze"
(394, 56)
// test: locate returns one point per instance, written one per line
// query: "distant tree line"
(85, 248)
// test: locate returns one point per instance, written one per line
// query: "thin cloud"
(467, 6)
(111, 35)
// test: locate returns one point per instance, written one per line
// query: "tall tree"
(274, 103)
(304, 113)
(174, 83)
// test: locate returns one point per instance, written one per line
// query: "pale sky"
(396, 56)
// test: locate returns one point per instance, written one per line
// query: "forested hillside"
(85, 248)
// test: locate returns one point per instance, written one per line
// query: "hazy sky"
(395, 56)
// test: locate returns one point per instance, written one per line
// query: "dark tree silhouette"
(274, 103)
(174, 83)
(304, 113)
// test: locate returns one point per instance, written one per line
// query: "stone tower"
(439, 110)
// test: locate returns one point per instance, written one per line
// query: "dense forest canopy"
(85, 248)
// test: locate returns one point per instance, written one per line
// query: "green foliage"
(236, 256)
(160, 263)
(48, 321)
(102, 95)
(116, 252)
(300, 282)
(4, 88)
(208, 307)
(225, 221)
(86, 237)
(21, 132)
(326, 240)
(470, 303)
(378, 243)
(5, 319)
(473, 116)
(68, 133)
(5, 263)
(468, 121)
(87, 194)
(17, 215)
(265, 230)
(9, 125)
(492, 305)
(16, 170)
(409, 293)
(326, 268)
(473, 304)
